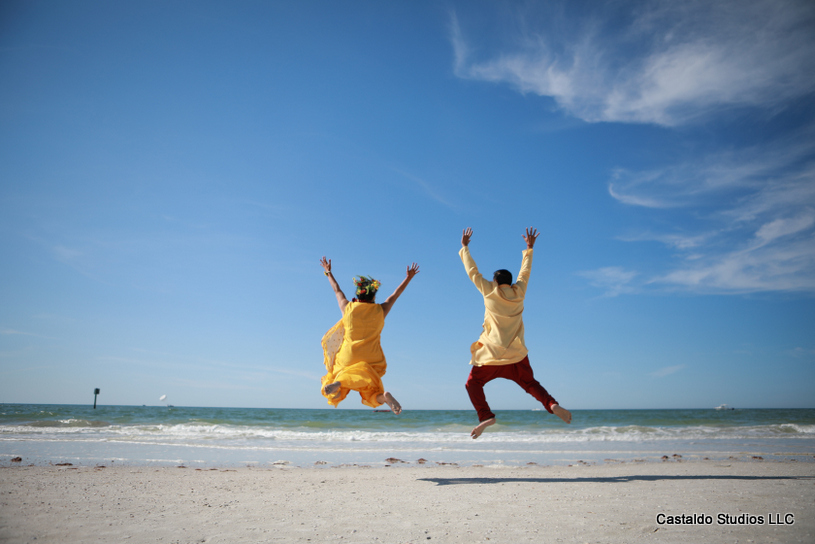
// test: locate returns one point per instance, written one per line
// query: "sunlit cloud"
(661, 62)
(754, 215)
(754, 179)
(675, 241)
(744, 218)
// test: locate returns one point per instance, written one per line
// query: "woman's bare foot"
(562, 413)
(332, 389)
(392, 403)
(475, 433)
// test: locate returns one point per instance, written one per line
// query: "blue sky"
(171, 172)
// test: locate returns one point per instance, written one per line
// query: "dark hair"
(502, 277)
(366, 297)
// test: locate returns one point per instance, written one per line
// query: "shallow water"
(140, 435)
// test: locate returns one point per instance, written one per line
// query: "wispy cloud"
(744, 218)
(66, 254)
(659, 61)
(14, 332)
(667, 371)
(167, 361)
(425, 187)
(801, 353)
(754, 215)
(613, 280)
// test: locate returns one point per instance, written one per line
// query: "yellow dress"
(353, 355)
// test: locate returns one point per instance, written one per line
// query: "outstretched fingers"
(466, 235)
(412, 270)
(530, 236)
(326, 264)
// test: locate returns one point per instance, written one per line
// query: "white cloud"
(800, 352)
(659, 61)
(788, 267)
(744, 219)
(668, 370)
(613, 280)
(676, 241)
(784, 227)
(14, 332)
(754, 212)
(66, 254)
(755, 180)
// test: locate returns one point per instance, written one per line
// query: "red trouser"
(520, 373)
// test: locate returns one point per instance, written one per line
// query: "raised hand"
(412, 270)
(465, 236)
(326, 264)
(530, 237)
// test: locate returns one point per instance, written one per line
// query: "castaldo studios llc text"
(726, 519)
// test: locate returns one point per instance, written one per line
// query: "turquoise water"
(138, 435)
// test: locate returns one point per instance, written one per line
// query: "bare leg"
(562, 413)
(387, 398)
(332, 389)
(475, 433)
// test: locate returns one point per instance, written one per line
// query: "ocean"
(41, 434)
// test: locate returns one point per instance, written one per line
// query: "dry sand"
(606, 503)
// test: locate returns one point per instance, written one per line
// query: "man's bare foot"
(475, 433)
(562, 413)
(332, 389)
(392, 403)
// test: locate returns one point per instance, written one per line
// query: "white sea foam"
(198, 433)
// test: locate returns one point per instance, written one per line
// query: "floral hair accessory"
(366, 285)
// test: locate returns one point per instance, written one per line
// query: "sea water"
(219, 437)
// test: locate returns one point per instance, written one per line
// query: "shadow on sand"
(603, 480)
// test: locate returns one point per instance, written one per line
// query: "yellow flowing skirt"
(357, 364)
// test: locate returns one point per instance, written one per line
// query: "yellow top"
(502, 338)
(353, 355)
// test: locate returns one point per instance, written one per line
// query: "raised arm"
(341, 300)
(412, 270)
(526, 265)
(475, 276)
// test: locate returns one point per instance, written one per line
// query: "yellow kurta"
(353, 355)
(502, 338)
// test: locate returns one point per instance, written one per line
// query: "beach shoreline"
(220, 437)
(760, 501)
(480, 454)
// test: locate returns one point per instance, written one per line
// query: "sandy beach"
(755, 501)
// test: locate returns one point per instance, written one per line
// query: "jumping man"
(500, 351)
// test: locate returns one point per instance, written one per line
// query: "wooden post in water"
(95, 392)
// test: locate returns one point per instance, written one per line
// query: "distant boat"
(724, 407)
